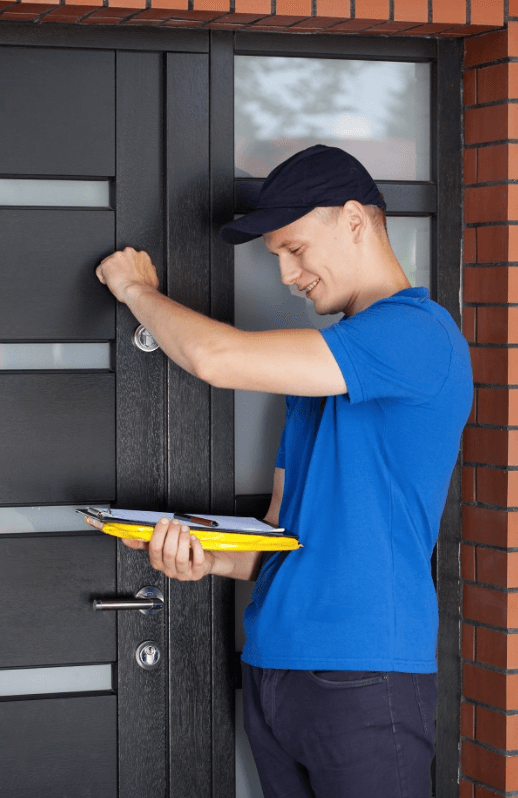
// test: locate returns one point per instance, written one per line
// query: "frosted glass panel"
(262, 302)
(411, 241)
(41, 519)
(379, 111)
(76, 679)
(54, 356)
(247, 777)
(56, 193)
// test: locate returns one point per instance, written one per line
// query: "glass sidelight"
(55, 193)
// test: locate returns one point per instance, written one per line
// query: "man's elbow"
(208, 366)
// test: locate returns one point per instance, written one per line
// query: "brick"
(470, 166)
(469, 323)
(27, 10)
(486, 48)
(410, 10)
(485, 606)
(278, 20)
(488, 203)
(491, 647)
(491, 727)
(497, 486)
(468, 556)
(496, 244)
(492, 284)
(487, 12)
(472, 418)
(432, 29)
(452, 11)
(253, 7)
(316, 24)
(372, 9)
(301, 8)
(467, 30)
(513, 8)
(334, 8)
(493, 406)
(470, 245)
(489, 767)
(468, 641)
(82, 4)
(124, 4)
(492, 325)
(240, 19)
(482, 125)
(180, 5)
(489, 687)
(470, 87)
(494, 366)
(352, 26)
(466, 789)
(467, 720)
(484, 792)
(493, 163)
(211, 5)
(499, 568)
(493, 83)
(70, 13)
(392, 27)
(491, 526)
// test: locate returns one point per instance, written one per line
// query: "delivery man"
(339, 666)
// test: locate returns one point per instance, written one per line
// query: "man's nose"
(290, 270)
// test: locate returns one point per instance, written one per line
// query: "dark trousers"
(340, 734)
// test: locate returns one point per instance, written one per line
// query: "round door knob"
(148, 655)
(143, 340)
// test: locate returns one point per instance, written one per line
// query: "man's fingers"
(156, 544)
(179, 558)
(198, 554)
(135, 544)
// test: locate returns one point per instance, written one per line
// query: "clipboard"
(260, 536)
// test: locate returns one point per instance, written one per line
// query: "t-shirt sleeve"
(391, 350)
(280, 460)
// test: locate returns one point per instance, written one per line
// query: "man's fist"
(124, 269)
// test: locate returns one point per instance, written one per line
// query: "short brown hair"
(329, 215)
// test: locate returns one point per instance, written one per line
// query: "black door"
(116, 425)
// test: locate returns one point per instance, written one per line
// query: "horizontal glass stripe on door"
(53, 518)
(54, 356)
(19, 191)
(65, 679)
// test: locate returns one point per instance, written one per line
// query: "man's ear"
(355, 218)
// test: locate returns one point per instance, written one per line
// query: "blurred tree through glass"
(379, 111)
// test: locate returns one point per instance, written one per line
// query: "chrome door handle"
(148, 600)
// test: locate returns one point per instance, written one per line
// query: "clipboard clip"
(96, 512)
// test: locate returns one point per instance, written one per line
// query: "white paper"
(231, 522)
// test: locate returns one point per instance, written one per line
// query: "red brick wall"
(409, 17)
(489, 711)
(489, 719)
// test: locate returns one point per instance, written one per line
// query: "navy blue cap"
(317, 177)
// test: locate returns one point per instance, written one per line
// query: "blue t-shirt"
(366, 479)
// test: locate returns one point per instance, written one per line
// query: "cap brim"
(264, 220)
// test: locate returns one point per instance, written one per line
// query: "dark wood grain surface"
(57, 438)
(59, 747)
(49, 291)
(46, 589)
(141, 426)
(189, 420)
(70, 97)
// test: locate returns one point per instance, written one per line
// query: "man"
(339, 664)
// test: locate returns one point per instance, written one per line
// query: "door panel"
(59, 747)
(57, 438)
(46, 590)
(54, 253)
(58, 116)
